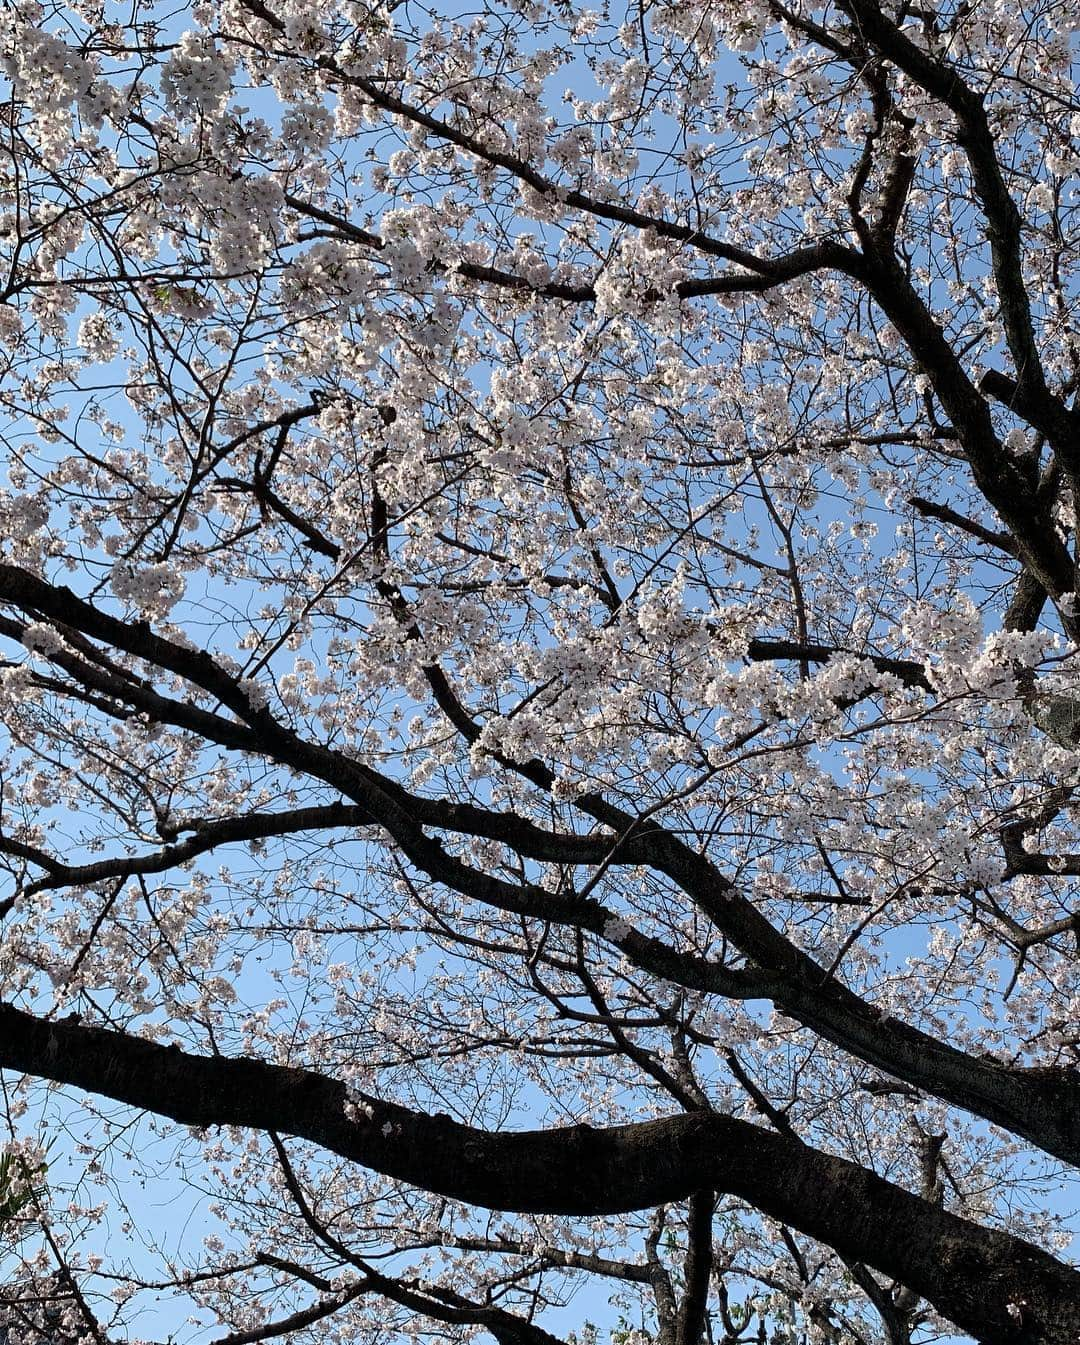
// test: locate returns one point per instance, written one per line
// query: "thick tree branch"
(1002, 483)
(295, 1321)
(976, 1276)
(1003, 224)
(1042, 1106)
(1000, 541)
(908, 671)
(697, 1269)
(1045, 413)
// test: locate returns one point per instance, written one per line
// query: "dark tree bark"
(998, 1287)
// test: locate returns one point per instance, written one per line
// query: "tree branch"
(971, 1273)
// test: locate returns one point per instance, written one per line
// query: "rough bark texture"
(999, 1288)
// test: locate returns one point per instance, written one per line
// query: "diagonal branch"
(943, 81)
(1040, 1105)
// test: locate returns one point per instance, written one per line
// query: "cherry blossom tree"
(538, 593)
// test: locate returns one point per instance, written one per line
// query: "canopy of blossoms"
(538, 671)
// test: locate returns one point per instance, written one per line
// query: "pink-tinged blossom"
(538, 565)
